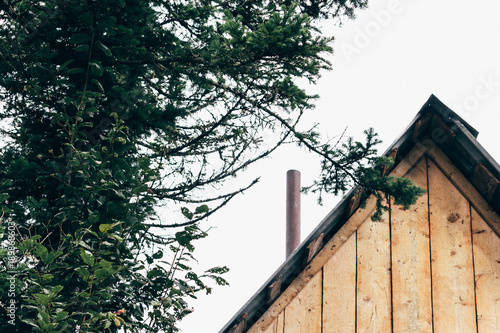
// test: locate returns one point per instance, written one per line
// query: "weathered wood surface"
(331, 247)
(451, 256)
(466, 188)
(374, 277)
(432, 268)
(303, 314)
(273, 328)
(411, 279)
(486, 245)
(276, 326)
(339, 290)
(280, 324)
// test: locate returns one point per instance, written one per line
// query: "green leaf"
(63, 327)
(93, 218)
(47, 277)
(82, 48)
(187, 213)
(30, 322)
(96, 68)
(202, 209)
(114, 236)
(98, 84)
(144, 162)
(184, 238)
(87, 257)
(73, 71)
(61, 315)
(41, 251)
(104, 228)
(139, 189)
(154, 273)
(174, 291)
(54, 255)
(82, 271)
(47, 257)
(85, 245)
(218, 270)
(158, 254)
(103, 48)
(56, 290)
(46, 327)
(118, 193)
(102, 273)
(84, 294)
(68, 101)
(42, 315)
(80, 38)
(42, 299)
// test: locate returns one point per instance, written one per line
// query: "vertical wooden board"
(486, 246)
(273, 328)
(468, 190)
(411, 277)
(303, 314)
(339, 290)
(451, 256)
(280, 327)
(373, 312)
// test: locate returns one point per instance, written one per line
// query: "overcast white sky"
(387, 63)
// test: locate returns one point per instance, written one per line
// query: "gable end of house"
(438, 147)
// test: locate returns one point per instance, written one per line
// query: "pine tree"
(113, 108)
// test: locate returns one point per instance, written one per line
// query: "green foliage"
(404, 192)
(111, 109)
(355, 162)
(83, 294)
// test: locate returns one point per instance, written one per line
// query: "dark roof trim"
(455, 137)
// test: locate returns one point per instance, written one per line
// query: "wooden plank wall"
(432, 268)
(486, 246)
(339, 283)
(373, 285)
(451, 255)
(411, 273)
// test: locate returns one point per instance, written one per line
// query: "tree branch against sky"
(114, 108)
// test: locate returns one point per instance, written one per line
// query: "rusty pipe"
(292, 211)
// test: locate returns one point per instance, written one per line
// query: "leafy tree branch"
(113, 109)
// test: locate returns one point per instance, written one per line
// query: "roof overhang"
(435, 125)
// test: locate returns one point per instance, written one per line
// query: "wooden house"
(432, 268)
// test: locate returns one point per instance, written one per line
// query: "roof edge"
(450, 132)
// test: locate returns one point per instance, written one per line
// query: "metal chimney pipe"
(292, 211)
